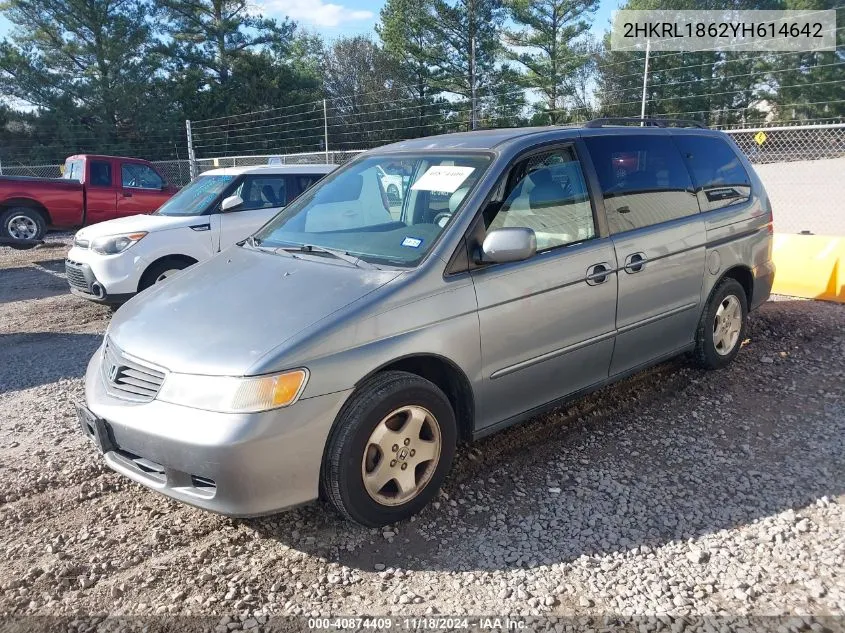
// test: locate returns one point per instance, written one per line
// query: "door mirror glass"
(231, 203)
(512, 244)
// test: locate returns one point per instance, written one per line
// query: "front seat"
(270, 195)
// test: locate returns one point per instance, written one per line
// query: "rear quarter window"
(718, 174)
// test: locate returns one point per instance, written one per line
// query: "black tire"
(158, 268)
(706, 354)
(29, 217)
(341, 479)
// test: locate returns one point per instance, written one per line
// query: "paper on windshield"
(443, 178)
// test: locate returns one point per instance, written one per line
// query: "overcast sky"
(334, 18)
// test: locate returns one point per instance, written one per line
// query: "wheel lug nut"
(395, 447)
(413, 452)
(407, 441)
(392, 462)
(404, 466)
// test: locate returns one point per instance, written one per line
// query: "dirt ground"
(676, 492)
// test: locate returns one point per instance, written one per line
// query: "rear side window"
(73, 170)
(718, 175)
(643, 180)
(100, 173)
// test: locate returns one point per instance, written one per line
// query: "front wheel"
(160, 271)
(390, 450)
(722, 325)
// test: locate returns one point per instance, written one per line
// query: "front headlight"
(113, 244)
(230, 394)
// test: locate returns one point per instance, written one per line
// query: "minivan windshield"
(386, 209)
(196, 197)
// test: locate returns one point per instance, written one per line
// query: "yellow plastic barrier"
(809, 266)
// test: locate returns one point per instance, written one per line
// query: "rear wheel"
(159, 271)
(722, 325)
(23, 223)
(391, 449)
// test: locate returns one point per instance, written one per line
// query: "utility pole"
(473, 117)
(645, 81)
(192, 158)
(326, 131)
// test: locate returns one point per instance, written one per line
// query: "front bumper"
(233, 464)
(84, 283)
(118, 274)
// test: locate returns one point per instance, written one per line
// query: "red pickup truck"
(92, 189)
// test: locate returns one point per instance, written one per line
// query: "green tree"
(209, 35)
(466, 45)
(807, 86)
(546, 43)
(407, 38)
(366, 105)
(87, 59)
(715, 87)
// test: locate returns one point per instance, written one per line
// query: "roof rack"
(647, 122)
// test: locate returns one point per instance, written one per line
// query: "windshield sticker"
(443, 178)
(412, 242)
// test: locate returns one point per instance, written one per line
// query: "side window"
(100, 173)
(719, 177)
(73, 170)
(304, 182)
(263, 192)
(135, 176)
(549, 196)
(643, 180)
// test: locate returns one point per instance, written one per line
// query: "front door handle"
(634, 263)
(127, 194)
(597, 274)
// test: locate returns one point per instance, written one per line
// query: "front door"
(659, 238)
(547, 323)
(263, 197)
(141, 189)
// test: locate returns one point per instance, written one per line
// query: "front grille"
(75, 277)
(128, 378)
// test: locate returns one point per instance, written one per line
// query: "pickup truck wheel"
(390, 450)
(23, 223)
(159, 271)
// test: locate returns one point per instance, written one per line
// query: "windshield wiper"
(339, 254)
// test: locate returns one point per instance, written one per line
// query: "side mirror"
(230, 203)
(512, 244)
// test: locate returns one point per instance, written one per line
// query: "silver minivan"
(346, 348)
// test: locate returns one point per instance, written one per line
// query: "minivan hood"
(135, 223)
(221, 316)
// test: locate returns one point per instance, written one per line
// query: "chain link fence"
(802, 168)
(178, 172)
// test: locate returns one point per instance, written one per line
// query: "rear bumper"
(764, 278)
(232, 464)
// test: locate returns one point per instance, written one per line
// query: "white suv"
(111, 261)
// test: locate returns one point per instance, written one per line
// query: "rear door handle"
(635, 262)
(127, 194)
(597, 274)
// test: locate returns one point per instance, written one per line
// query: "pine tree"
(546, 43)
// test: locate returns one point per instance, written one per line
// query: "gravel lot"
(675, 492)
